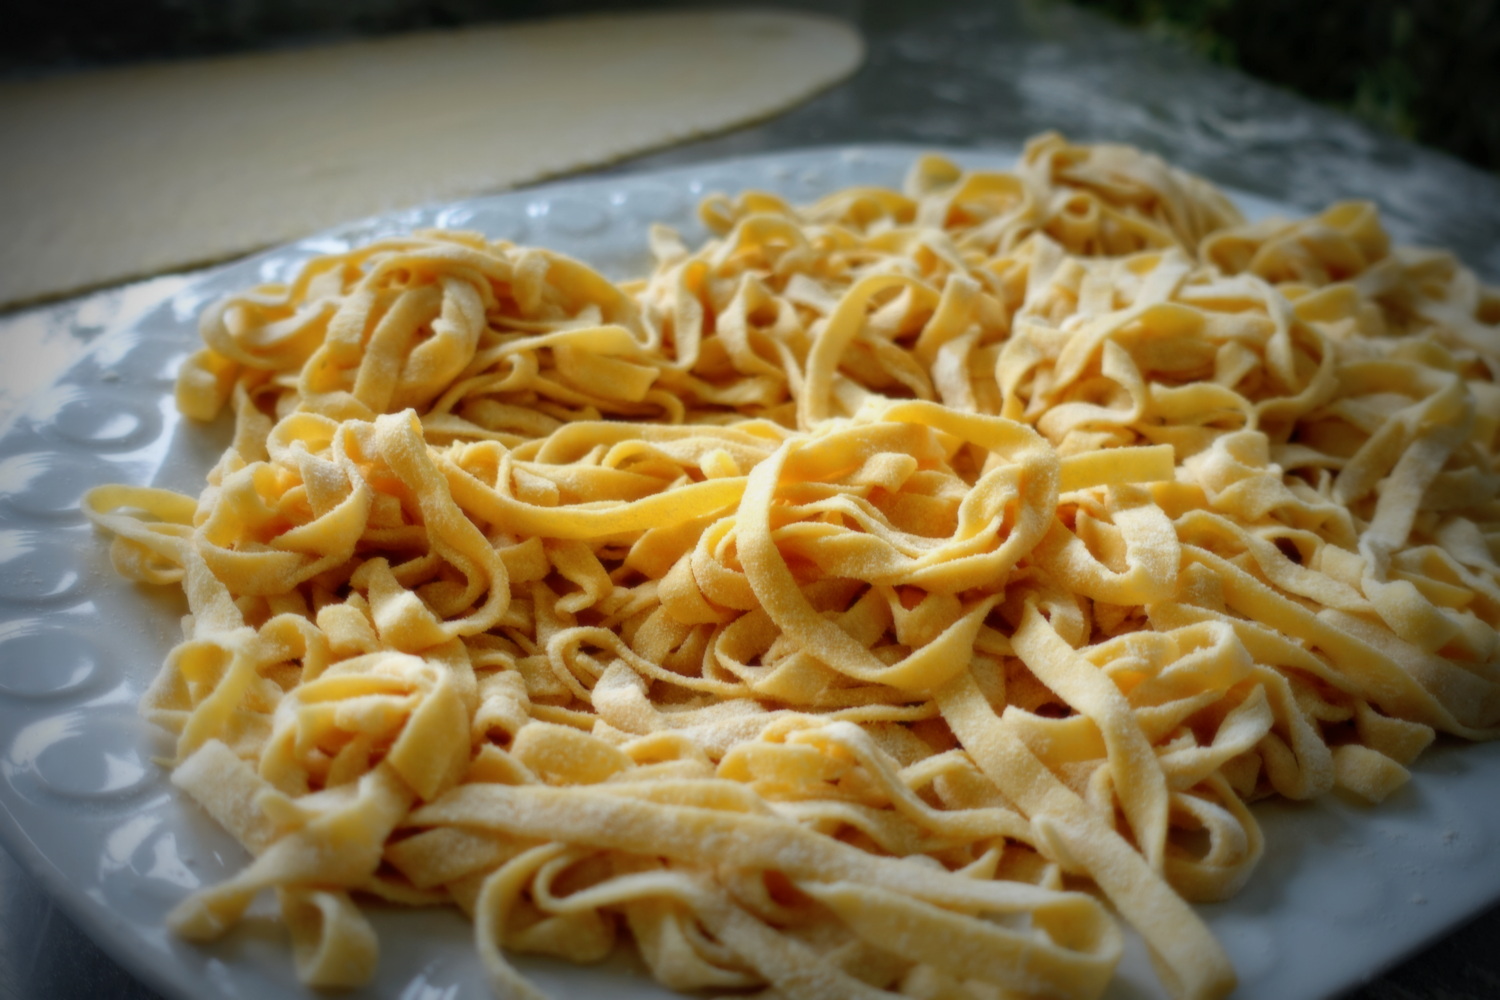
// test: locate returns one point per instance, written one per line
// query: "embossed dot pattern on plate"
(650, 203)
(496, 221)
(40, 661)
(35, 568)
(102, 420)
(48, 484)
(570, 216)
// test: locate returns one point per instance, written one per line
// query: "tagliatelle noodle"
(864, 603)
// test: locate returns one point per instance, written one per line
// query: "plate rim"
(114, 935)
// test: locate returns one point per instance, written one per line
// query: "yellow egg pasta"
(885, 598)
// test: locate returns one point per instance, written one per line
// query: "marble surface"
(957, 73)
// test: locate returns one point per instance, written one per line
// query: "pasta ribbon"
(880, 599)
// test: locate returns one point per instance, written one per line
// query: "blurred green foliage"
(1428, 69)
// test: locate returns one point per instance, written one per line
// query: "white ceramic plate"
(1343, 890)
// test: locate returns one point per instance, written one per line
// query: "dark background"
(1426, 69)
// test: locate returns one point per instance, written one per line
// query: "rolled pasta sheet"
(878, 599)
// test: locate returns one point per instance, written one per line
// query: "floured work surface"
(123, 173)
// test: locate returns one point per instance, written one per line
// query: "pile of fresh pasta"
(886, 597)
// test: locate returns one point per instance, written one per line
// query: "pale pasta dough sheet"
(116, 174)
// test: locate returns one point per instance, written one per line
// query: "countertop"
(950, 74)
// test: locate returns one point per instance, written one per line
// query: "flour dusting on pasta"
(887, 597)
